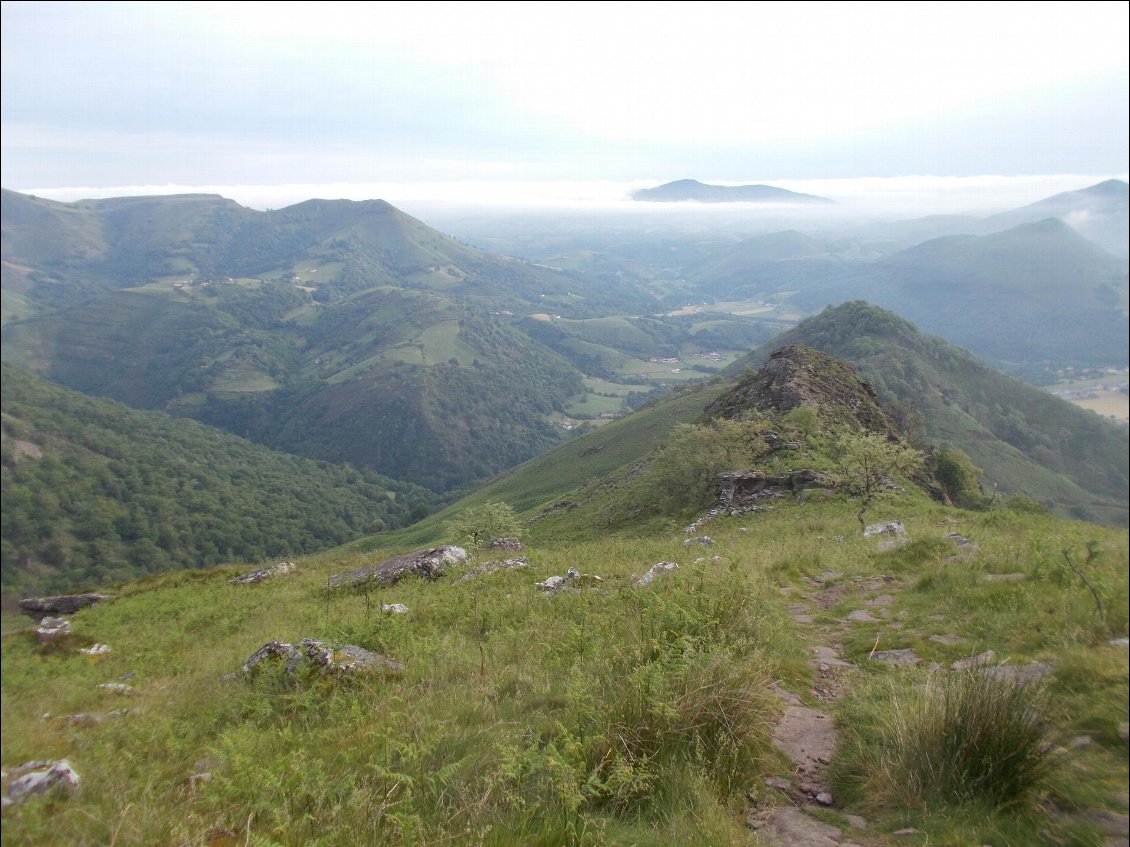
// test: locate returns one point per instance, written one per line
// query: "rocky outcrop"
(429, 564)
(38, 778)
(263, 574)
(63, 604)
(741, 490)
(339, 661)
(801, 376)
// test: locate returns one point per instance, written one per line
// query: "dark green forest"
(96, 493)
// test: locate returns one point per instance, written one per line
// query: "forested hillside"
(95, 492)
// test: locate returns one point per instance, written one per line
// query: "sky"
(260, 101)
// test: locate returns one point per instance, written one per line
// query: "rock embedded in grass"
(38, 778)
(506, 545)
(430, 563)
(62, 604)
(263, 574)
(905, 656)
(655, 571)
(339, 660)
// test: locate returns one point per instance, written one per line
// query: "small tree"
(866, 461)
(476, 527)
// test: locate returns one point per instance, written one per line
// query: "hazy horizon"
(102, 96)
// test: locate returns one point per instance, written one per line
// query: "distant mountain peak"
(692, 190)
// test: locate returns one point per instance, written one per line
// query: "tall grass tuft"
(967, 739)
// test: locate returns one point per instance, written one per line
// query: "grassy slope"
(501, 728)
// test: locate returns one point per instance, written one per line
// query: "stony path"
(807, 735)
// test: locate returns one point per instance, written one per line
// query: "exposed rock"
(881, 600)
(862, 616)
(704, 540)
(778, 782)
(39, 778)
(855, 821)
(495, 565)
(88, 718)
(1119, 642)
(63, 604)
(790, 827)
(429, 564)
(394, 608)
(905, 656)
(742, 490)
(801, 376)
(892, 535)
(255, 577)
(986, 658)
(506, 545)
(552, 583)
(965, 547)
(340, 661)
(1018, 673)
(117, 687)
(95, 650)
(656, 570)
(807, 737)
(51, 629)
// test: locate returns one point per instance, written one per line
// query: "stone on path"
(862, 616)
(789, 827)
(807, 737)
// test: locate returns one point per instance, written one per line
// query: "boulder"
(340, 661)
(38, 778)
(394, 608)
(51, 629)
(655, 571)
(429, 564)
(62, 604)
(892, 534)
(255, 577)
(572, 577)
(506, 545)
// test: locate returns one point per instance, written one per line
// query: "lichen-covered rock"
(506, 545)
(95, 650)
(255, 577)
(38, 778)
(394, 608)
(52, 629)
(891, 534)
(495, 565)
(429, 564)
(572, 578)
(341, 660)
(62, 604)
(655, 571)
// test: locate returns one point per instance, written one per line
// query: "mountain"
(1026, 441)
(338, 330)
(1098, 212)
(691, 189)
(1034, 297)
(96, 492)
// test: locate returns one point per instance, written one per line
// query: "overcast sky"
(99, 95)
